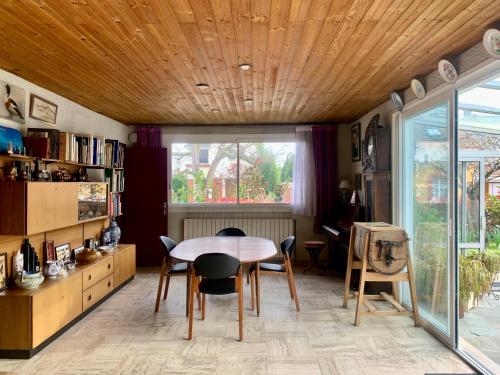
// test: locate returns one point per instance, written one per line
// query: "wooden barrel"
(387, 246)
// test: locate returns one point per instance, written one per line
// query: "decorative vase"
(115, 232)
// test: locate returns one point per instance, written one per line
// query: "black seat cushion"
(218, 286)
(274, 267)
(179, 268)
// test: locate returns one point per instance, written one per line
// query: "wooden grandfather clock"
(377, 171)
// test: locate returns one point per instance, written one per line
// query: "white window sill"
(271, 207)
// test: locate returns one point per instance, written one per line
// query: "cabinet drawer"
(97, 292)
(97, 272)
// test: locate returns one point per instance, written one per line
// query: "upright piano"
(339, 232)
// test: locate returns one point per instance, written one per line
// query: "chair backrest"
(231, 232)
(216, 266)
(287, 246)
(168, 244)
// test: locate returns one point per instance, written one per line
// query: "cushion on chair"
(273, 267)
(218, 286)
(179, 268)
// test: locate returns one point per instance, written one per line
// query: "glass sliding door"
(478, 223)
(426, 209)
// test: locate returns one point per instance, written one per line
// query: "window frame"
(169, 139)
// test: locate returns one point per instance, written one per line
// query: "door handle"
(165, 208)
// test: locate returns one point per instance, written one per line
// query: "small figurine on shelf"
(30, 277)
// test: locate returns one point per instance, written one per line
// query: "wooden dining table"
(245, 249)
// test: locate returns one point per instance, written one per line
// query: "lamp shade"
(344, 184)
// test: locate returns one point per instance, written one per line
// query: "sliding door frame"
(481, 73)
(448, 97)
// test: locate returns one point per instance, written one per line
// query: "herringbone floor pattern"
(123, 336)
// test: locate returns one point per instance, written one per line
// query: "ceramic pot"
(115, 232)
(29, 280)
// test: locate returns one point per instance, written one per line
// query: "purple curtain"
(149, 136)
(324, 140)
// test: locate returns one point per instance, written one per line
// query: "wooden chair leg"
(198, 296)
(240, 303)
(203, 305)
(294, 286)
(191, 306)
(361, 289)
(167, 283)
(188, 288)
(252, 291)
(160, 285)
(350, 259)
(289, 278)
(413, 291)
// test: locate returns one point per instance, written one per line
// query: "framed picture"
(356, 142)
(50, 251)
(12, 107)
(41, 109)
(3, 271)
(63, 252)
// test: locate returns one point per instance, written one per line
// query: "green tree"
(266, 164)
(287, 169)
(179, 187)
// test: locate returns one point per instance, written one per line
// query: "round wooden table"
(245, 249)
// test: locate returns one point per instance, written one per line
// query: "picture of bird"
(11, 105)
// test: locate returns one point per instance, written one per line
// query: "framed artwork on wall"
(3, 271)
(43, 110)
(356, 142)
(13, 102)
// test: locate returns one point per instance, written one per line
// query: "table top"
(246, 249)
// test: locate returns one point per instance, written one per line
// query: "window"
(245, 173)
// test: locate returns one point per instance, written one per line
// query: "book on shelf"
(116, 180)
(114, 153)
(53, 135)
(114, 205)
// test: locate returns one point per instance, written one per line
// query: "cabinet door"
(51, 205)
(124, 260)
(46, 310)
(71, 298)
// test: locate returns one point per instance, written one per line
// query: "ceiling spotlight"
(245, 66)
(215, 110)
(248, 100)
(203, 86)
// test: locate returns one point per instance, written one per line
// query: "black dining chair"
(220, 274)
(231, 232)
(278, 269)
(170, 268)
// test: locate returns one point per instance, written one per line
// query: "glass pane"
(92, 200)
(469, 198)
(204, 173)
(266, 171)
(479, 267)
(425, 190)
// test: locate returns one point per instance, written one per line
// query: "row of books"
(79, 148)
(114, 153)
(115, 179)
(114, 204)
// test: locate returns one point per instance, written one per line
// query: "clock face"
(371, 145)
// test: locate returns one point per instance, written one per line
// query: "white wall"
(70, 115)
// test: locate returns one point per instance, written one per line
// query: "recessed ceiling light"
(215, 110)
(245, 66)
(203, 86)
(248, 100)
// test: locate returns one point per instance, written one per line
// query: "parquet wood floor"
(123, 336)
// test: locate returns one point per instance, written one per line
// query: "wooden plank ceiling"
(138, 61)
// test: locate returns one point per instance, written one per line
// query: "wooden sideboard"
(31, 319)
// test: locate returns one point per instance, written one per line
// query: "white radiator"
(275, 230)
